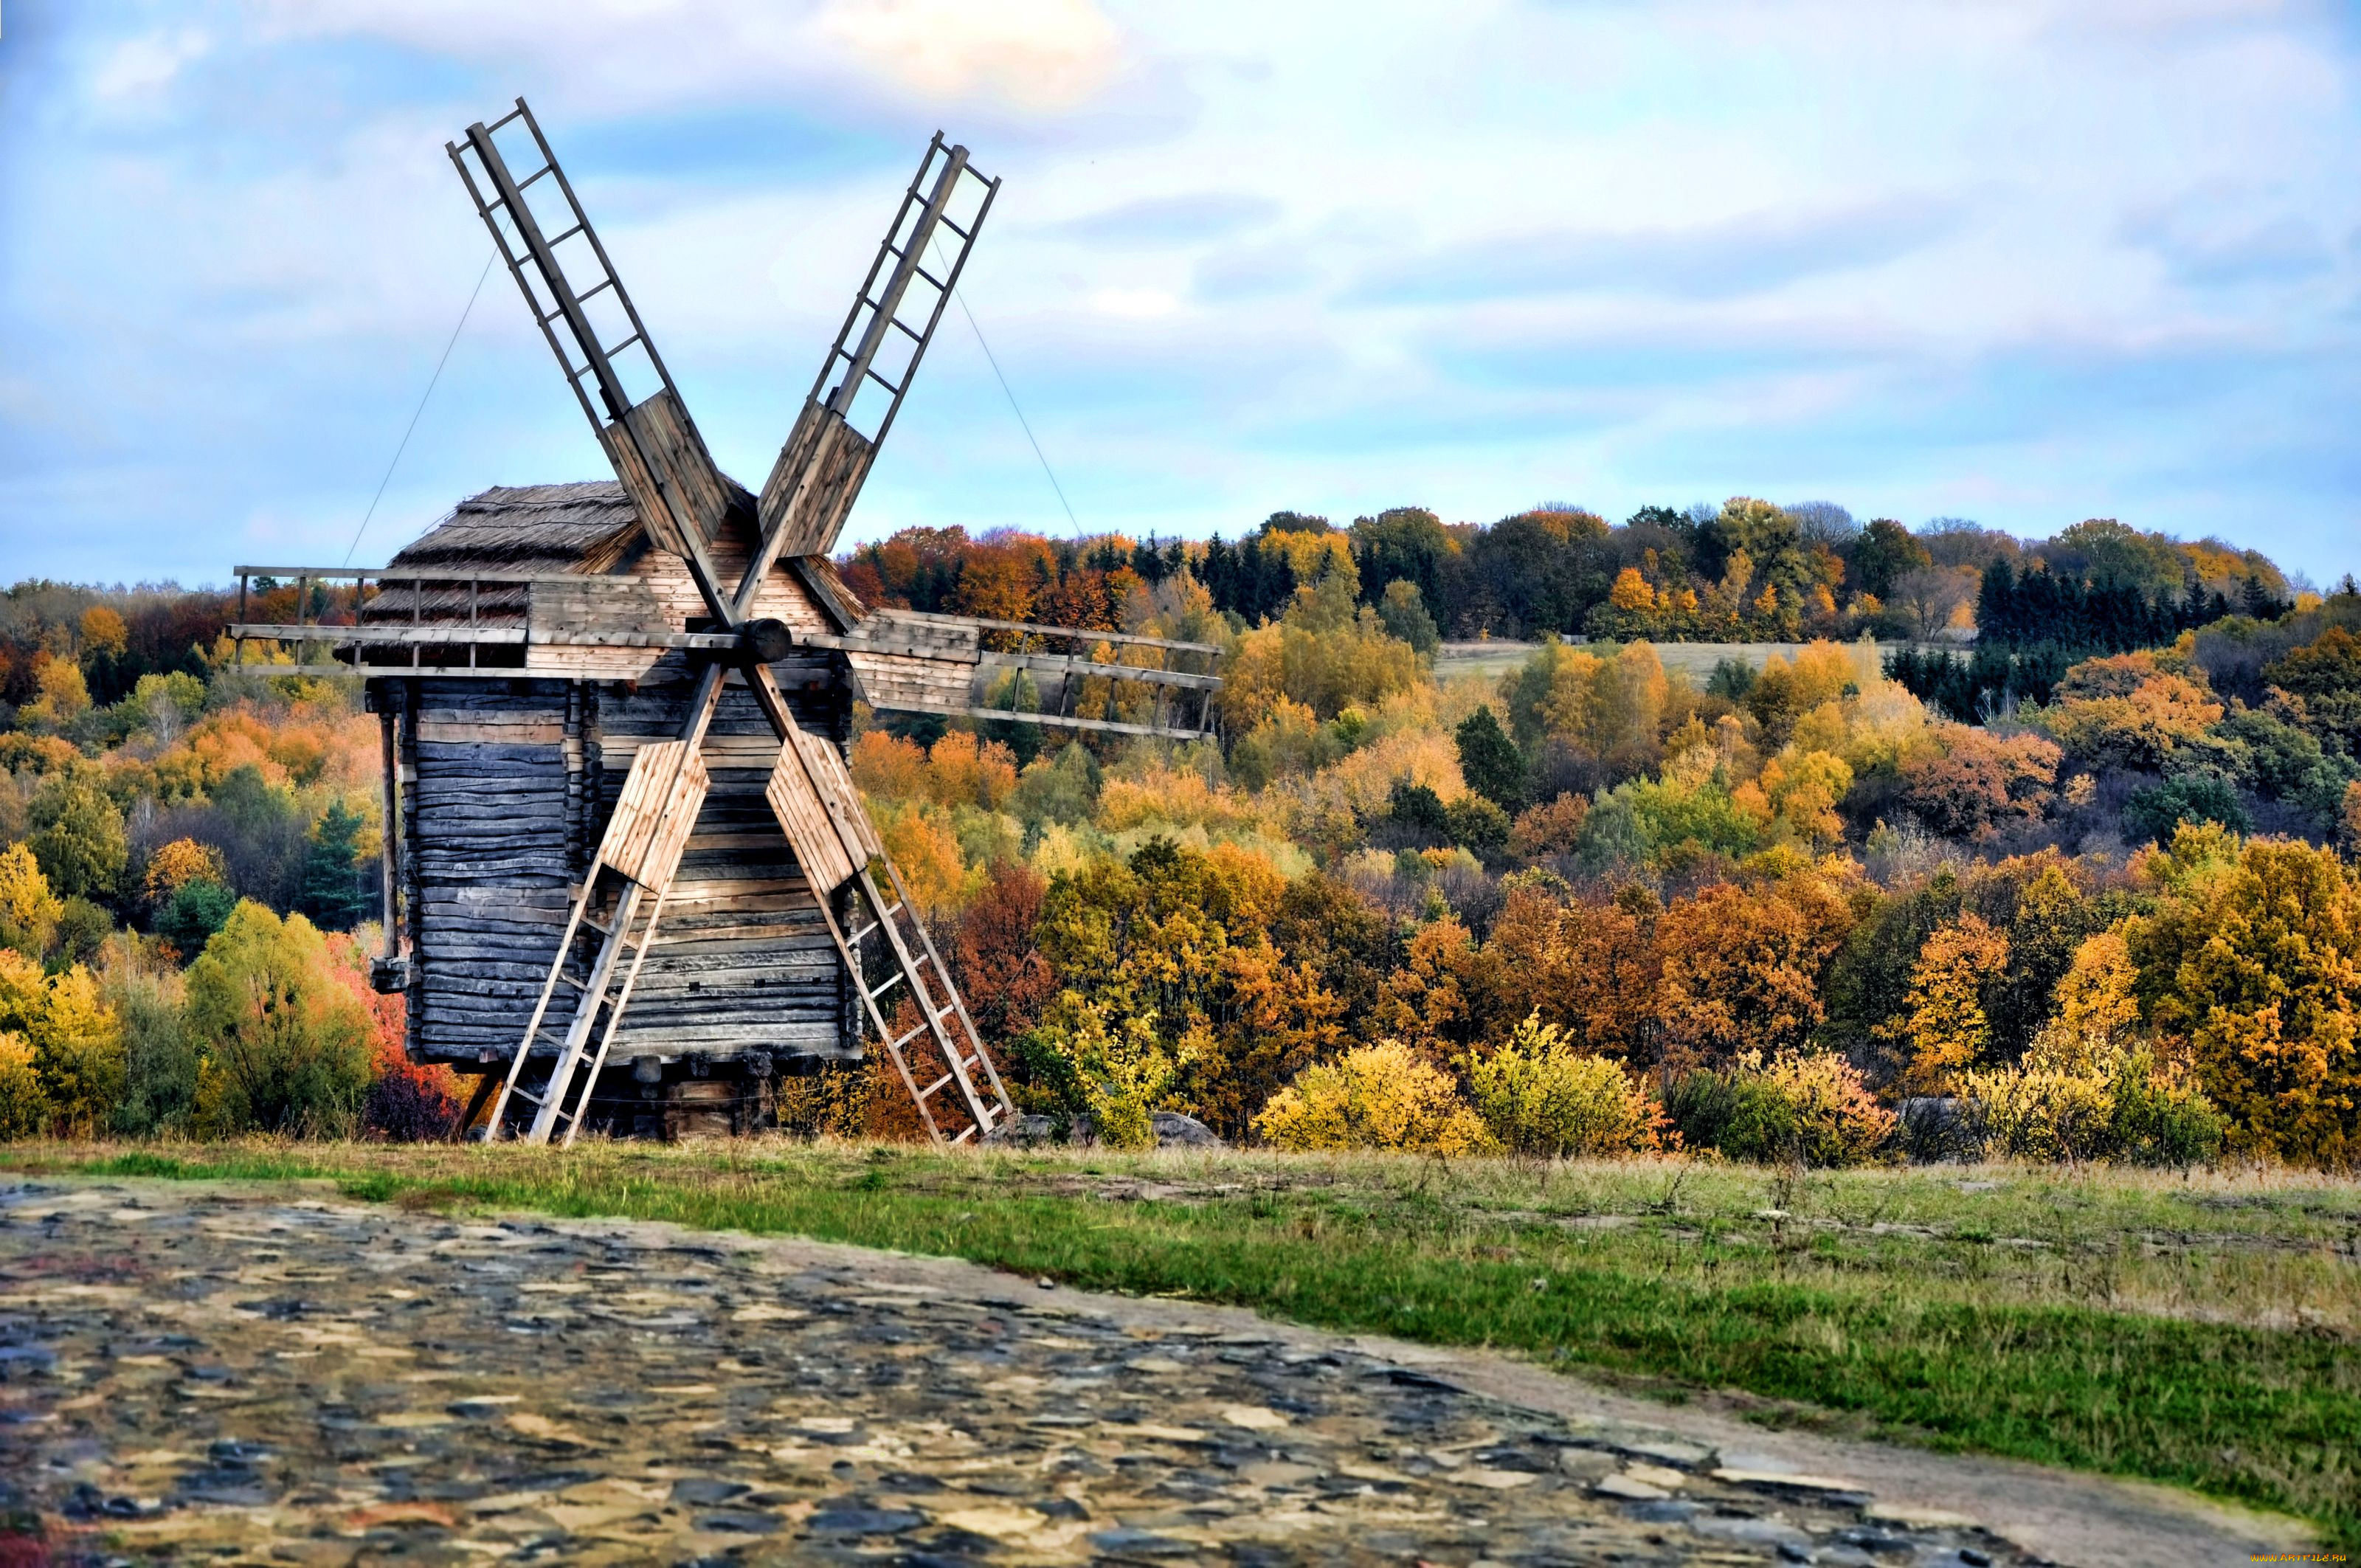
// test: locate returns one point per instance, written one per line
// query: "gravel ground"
(267, 1373)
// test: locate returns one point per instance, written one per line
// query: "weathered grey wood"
(390, 834)
(504, 827)
(1075, 665)
(1080, 634)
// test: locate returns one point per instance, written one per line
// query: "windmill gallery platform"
(627, 879)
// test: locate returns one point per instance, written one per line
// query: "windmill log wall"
(507, 786)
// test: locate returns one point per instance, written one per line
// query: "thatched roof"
(585, 527)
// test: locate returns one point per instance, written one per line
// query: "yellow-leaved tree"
(286, 1047)
(75, 1040)
(24, 1109)
(1948, 1029)
(2251, 962)
(28, 910)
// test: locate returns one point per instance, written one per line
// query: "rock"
(1025, 1132)
(1174, 1131)
(1632, 1490)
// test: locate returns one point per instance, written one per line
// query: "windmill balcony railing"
(392, 620)
(444, 621)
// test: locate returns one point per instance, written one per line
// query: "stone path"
(263, 1374)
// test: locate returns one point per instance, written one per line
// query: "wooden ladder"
(885, 924)
(635, 864)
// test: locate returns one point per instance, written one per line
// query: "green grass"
(2200, 1331)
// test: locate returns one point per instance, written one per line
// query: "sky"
(2023, 261)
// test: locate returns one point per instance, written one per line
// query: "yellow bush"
(75, 1040)
(1379, 1097)
(2069, 1100)
(24, 1109)
(1538, 1096)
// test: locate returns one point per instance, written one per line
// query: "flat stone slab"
(264, 1374)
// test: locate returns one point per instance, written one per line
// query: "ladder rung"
(896, 323)
(930, 277)
(890, 981)
(952, 227)
(595, 287)
(554, 241)
(935, 1088)
(537, 174)
(882, 381)
(619, 349)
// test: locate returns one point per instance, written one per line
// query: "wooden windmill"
(702, 629)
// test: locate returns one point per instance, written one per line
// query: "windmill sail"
(595, 332)
(876, 354)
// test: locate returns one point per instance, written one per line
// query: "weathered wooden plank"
(1074, 665)
(656, 813)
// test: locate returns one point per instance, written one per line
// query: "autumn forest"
(1753, 831)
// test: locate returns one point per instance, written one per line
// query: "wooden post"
(390, 828)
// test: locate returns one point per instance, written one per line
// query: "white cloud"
(139, 67)
(1039, 54)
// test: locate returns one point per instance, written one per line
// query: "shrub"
(1379, 1097)
(285, 1048)
(1806, 1108)
(2160, 1116)
(1113, 1059)
(24, 1109)
(160, 1059)
(407, 1106)
(2075, 1101)
(1538, 1096)
(76, 1042)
